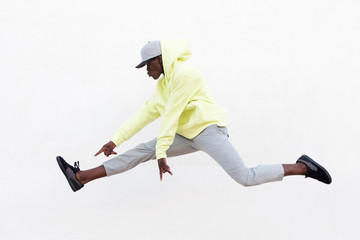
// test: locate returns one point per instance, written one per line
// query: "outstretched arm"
(138, 121)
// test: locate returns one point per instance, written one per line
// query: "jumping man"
(191, 121)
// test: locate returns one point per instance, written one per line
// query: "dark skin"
(154, 69)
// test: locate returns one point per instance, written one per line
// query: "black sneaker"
(315, 170)
(69, 172)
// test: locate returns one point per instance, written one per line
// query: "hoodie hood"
(174, 52)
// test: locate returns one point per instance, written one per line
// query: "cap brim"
(143, 63)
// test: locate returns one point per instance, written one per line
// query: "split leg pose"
(191, 121)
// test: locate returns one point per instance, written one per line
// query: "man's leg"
(128, 160)
(91, 174)
(214, 141)
(294, 169)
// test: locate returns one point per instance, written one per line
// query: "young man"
(191, 121)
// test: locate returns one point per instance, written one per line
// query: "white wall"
(287, 72)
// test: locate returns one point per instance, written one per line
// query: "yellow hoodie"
(181, 98)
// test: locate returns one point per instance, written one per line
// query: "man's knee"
(243, 182)
(245, 178)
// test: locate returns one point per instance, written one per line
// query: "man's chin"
(155, 77)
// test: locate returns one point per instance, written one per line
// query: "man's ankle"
(79, 177)
(302, 168)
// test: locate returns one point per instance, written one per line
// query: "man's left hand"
(163, 167)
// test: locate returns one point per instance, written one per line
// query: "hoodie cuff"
(160, 155)
(117, 141)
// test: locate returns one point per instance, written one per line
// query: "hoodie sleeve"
(182, 90)
(138, 121)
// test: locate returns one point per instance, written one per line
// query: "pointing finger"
(161, 175)
(100, 151)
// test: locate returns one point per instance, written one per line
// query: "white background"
(286, 71)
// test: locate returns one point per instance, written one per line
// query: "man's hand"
(107, 149)
(163, 167)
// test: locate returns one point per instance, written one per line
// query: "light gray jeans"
(214, 141)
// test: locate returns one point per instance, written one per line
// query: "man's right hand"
(107, 149)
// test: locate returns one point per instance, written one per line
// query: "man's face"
(154, 67)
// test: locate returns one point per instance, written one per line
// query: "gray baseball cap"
(150, 50)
